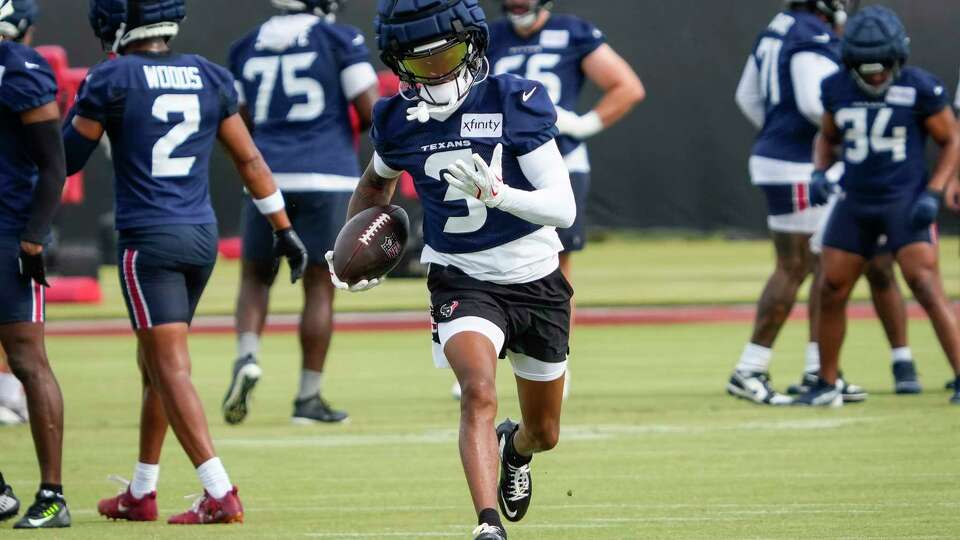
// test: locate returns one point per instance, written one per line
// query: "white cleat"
(755, 387)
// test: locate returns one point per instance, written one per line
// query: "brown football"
(371, 244)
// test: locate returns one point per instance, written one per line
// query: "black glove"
(926, 209)
(821, 188)
(287, 244)
(33, 267)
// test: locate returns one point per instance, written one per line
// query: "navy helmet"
(317, 7)
(524, 13)
(118, 23)
(836, 11)
(875, 41)
(428, 42)
(15, 24)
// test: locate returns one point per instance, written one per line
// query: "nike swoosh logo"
(822, 38)
(38, 522)
(506, 509)
(528, 95)
(122, 507)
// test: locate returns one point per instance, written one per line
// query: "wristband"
(270, 204)
(592, 124)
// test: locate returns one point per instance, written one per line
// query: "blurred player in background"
(32, 174)
(17, 26)
(779, 92)
(298, 74)
(163, 112)
(494, 188)
(881, 112)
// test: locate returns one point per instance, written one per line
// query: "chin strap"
(423, 111)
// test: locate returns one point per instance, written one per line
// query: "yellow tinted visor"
(438, 65)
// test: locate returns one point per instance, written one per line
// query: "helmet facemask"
(441, 73)
(863, 74)
(523, 14)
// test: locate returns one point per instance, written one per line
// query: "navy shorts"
(869, 228)
(163, 271)
(575, 238)
(317, 216)
(786, 198)
(21, 300)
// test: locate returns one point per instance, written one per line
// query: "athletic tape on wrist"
(270, 204)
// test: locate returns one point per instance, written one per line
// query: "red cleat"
(126, 506)
(208, 511)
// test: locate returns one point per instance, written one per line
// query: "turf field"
(651, 448)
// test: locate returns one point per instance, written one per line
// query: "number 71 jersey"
(162, 113)
(884, 137)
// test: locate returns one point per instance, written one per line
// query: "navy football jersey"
(26, 82)
(787, 134)
(503, 109)
(884, 137)
(291, 74)
(553, 57)
(162, 113)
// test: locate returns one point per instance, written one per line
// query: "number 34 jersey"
(162, 113)
(884, 137)
(488, 244)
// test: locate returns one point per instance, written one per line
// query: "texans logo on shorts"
(446, 310)
(390, 246)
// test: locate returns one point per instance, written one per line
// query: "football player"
(882, 112)
(298, 74)
(32, 174)
(779, 93)
(163, 112)
(494, 188)
(17, 26)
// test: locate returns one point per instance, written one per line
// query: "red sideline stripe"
(140, 315)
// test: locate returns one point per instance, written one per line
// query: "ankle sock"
(145, 478)
(56, 489)
(214, 478)
(490, 517)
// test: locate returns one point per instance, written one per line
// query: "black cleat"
(316, 409)
(822, 395)
(951, 385)
(807, 381)
(236, 404)
(852, 393)
(489, 532)
(955, 400)
(9, 504)
(516, 484)
(905, 378)
(48, 511)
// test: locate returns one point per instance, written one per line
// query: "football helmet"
(836, 11)
(320, 8)
(523, 13)
(117, 23)
(875, 46)
(436, 47)
(15, 24)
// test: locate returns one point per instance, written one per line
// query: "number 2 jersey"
(553, 57)
(162, 113)
(486, 243)
(298, 74)
(26, 82)
(884, 137)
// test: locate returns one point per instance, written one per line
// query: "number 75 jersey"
(884, 138)
(162, 113)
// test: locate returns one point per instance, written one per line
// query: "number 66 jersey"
(162, 113)
(486, 243)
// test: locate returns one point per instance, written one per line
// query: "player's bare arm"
(42, 129)
(942, 128)
(823, 146)
(364, 104)
(373, 190)
(622, 88)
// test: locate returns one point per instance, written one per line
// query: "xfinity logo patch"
(905, 96)
(481, 125)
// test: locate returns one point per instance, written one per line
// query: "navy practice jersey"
(787, 134)
(884, 137)
(26, 82)
(553, 56)
(291, 74)
(503, 109)
(162, 113)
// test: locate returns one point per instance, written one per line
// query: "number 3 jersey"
(884, 137)
(459, 230)
(554, 57)
(26, 82)
(297, 75)
(162, 113)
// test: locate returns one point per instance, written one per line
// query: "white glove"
(481, 181)
(360, 286)
(576, 126)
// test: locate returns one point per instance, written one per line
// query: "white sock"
(214, 478)
(248, 343)
(755, 359)
(311, 383)
(901, 354)
(813, 357)
(145, 478)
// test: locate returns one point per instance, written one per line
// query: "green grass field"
(651, 447)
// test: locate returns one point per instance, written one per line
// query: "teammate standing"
(32, 174)
(163, 112)
(881, 112)
(494, 187)
(298, 73)
(779, 92)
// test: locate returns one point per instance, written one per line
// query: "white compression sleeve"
(808, 70)
(749, 97)
(552, 203)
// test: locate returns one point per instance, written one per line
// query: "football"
(371, 244)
